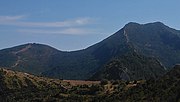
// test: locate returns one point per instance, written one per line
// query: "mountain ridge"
(152, 40)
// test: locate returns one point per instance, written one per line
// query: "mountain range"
(137, 51)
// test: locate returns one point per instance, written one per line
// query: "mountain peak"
(131, 24)
(160, 24)
(137, 24)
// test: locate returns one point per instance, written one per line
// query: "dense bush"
(104, 82)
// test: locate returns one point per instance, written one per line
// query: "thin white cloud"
(16, 21)
(78, 26)
(10, 18)
(67, 31)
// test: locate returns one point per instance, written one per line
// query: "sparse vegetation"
(18, 86)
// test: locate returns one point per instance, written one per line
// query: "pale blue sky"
(77, 24)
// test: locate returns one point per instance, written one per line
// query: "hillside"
(18, 86)
(165, 89)
(31, 58)
(130, 66)
(44, 60)
(155, 40)
(152, 40)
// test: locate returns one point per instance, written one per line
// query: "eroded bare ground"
(81, 82)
